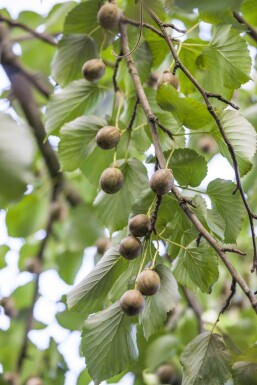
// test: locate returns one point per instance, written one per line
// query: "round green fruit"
(130, 247)
(93, 70)
(162, 181)
(132, 302)
(169, 78)
(148, 282)
(140, 225)
(165, 374)
(108, 137)
(102, 245)
(111, 180)
(109, 15)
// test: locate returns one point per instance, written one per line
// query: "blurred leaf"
(23, 296)
(55, 19)
(3, 251)
(27, 216)
(16, 157)
(244, 373)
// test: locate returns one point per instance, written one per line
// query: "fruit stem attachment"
(145, 250)
(139, 36)
(171, 242)
(155, 256)
(119, 112)
(171, 68)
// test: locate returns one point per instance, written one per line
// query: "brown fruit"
(207, 144)
(165, 374)
(108, 137)
(140, 225)
(93, 70)
(12, 378)
(109, 15)
(34, 381)
(130, 247)
(102, 245)
(162, 181)
(111, 180)
(132, 302)
(169, 78)
(32, 265)
(148, 282)
(9, 307)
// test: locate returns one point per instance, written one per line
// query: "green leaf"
(248, 355)
(109, 343)
(78, 98)
(55, 19)
(158, 305)
(73, 51)
(228, 205)
(206, 5)
(16, 157)
(70, 320)
(90, 294)
(187, 111)
(3, 251)
(23, 295)
(27, 216)
(222, 53)
(244, 373)
(95, 163)
(189, 168)
(197, 266)
(78, 141)
(205, 361)
(242, 136)
(69, 263)
(82, 18)
(114, 209)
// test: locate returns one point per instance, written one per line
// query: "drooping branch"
(39, 258)
(215, 116)
(39, 35)
(250, 30)
(162, 162)
(22, 91)
(193, 303)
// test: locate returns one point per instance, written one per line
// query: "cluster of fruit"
(148, 282)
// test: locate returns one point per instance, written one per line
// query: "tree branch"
(193, 303)
(40, 255)
(209, 106)
(250, 30)
(23, 92)
(39, 35)
(162, 162)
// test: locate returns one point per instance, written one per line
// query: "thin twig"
(221, 129)
(134, 114)
(40, 255)
(155, 213)
(164, 129)
(115, 72)
(228, 300)
(219, 97)
(195, 306)
(39, 35)
(172, 26)
(162, 162)
(250, 30)
(233, 250)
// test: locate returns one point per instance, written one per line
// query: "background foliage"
(55, 211)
